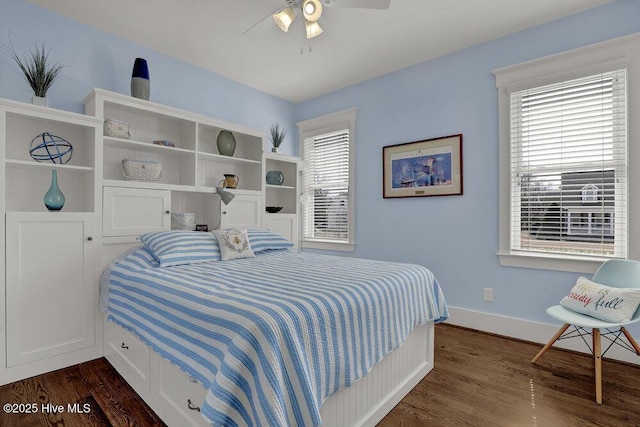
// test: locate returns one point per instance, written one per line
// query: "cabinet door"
(49, 284)
(285, 225)
(135, 211)
(244, 211)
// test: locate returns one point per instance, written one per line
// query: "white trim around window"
(335, 123)
(620, 53)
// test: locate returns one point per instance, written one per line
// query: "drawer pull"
(126, 347)
(190, 406)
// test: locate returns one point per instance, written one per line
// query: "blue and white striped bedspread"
(272, 337)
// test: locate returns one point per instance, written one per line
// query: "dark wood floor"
(478, 380)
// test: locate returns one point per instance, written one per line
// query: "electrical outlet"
(488, 294)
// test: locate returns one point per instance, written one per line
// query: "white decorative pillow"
(615, 305)
(234, 243)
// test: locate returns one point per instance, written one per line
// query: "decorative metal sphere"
(48, 147)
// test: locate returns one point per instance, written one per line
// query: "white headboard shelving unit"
(191, 169)
(52, 261)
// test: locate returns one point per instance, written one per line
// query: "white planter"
(39, 100)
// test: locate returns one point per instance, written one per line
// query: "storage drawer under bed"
(130, 356)
(176, 397)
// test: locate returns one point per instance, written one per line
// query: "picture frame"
(431, 167)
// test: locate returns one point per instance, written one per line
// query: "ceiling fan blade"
(363, 4)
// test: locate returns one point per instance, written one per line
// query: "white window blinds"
(326, 187)
(569, 167)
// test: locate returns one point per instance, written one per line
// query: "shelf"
(48, 165)
(281, 187)
(157, 186)
(278, 157)
(129, 144)
(227, 159)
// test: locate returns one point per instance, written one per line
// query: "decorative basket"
(116, 128)
(183, 221)
(141, 170)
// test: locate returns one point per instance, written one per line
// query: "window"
(327, 196)
(565, 137)
(563, 158)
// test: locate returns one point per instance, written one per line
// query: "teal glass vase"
(275, 178)
(53, 198)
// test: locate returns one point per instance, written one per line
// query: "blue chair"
(614, 273)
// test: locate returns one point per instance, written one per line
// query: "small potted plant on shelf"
(277, 135)
(38, 71)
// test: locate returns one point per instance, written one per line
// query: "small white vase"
(275, 149)
(40, 100)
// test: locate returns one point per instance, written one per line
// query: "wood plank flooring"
(486, 380)
(111, 401)
(479, 380)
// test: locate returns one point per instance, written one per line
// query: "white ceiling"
(357, 44)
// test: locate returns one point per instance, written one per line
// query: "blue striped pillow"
(181, 247)
(264, 240)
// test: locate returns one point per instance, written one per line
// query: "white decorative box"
(141, 170)
(183, 221)
(116, 128)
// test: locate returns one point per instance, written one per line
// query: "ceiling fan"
(311, 11)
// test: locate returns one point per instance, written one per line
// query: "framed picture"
(432, 167)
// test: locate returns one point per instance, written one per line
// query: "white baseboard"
(528, 331)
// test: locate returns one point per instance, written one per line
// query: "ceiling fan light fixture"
(284, 18)
(312, 10)
(313, 29)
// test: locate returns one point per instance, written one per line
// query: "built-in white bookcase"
(48, 286)
(246, 161)
(191, 165)
(285, 195)
(28, 180)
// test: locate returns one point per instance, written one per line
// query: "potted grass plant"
(277, 135)
(38, 71)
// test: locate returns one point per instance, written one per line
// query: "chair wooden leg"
(631, 340)
(597, 357)
(550, 343)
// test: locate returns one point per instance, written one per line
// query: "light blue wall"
(457, 236)
(98, 59)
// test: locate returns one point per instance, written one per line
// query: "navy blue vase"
(140, 83)
(54, 199)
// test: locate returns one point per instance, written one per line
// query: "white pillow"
(615, 305)
(234, 243)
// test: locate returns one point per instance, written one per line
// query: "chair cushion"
(615, 305)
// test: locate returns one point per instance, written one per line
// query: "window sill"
(328, 245)
(574, 264)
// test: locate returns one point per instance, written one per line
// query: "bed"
(273, 338)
